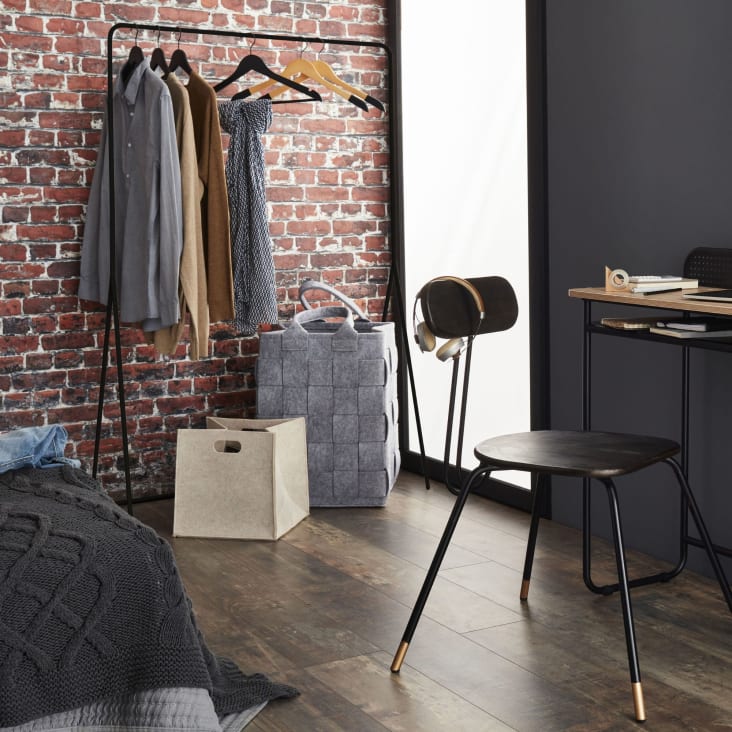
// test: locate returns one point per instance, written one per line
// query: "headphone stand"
(455, 489)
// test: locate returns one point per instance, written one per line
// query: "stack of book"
(661, 283)
(694, 328)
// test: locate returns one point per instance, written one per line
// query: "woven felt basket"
(340, 376)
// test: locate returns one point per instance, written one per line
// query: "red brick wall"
(327, 168)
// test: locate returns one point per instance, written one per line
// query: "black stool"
(600, 455)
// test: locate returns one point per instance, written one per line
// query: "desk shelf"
(707, 344)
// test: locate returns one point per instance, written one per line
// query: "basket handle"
(295, 337)
(315, 285)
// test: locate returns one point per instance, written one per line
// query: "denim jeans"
(34, 447)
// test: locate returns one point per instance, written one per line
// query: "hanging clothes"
(254, 284)
(214, 204)
(148, 219)
(192, 289)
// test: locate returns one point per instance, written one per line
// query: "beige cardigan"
(192, 290)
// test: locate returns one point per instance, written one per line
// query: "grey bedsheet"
(157, 710)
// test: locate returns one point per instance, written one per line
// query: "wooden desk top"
(669, 301)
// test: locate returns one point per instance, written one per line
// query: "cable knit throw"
(92, 606)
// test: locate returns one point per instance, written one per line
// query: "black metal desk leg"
(476, 475)
(701, 527)
(614, 587)
(586, 491)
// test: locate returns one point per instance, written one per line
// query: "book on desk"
(699, 327)
(662, 284)
(710, 327)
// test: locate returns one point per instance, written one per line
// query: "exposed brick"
(67, 340)
(13, 175)
(41, 251)
(180, 404)
(10, 307)
(13, 252)
(41, 137)
(17, 400)
(45, 287)
(12, 138)
(17, 344)
(28, 42)
(46, 233)
(182, 386)
(45, 398)
(37, 305)
(65, 26)
(324, 164)
(39, 361)
(68, 359)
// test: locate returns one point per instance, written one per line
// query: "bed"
(96, 629)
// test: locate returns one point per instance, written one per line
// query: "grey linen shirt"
(148, 215)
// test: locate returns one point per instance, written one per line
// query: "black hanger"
(251, 62)
(133, 60)
(179, 60)
(157, 59)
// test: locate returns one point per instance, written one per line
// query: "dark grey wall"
(640, 172)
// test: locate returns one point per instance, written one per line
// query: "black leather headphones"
(424, 336)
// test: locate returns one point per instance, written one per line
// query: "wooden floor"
(324, 608)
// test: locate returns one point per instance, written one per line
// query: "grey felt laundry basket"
(341, 377)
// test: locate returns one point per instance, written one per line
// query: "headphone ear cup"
(425, 338)
(452, 349)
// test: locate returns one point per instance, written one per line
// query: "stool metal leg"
(533, 531)
(477, 474)
(635, 679)
(638, 582)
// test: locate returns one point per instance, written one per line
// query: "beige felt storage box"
(241, 479)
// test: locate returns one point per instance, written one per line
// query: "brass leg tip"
(525, 589)
(396, 664)
(640, 707)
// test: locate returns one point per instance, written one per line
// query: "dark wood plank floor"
(324, 608)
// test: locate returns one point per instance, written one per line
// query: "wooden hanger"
(328, 73)
(251, 62)
(304, 69)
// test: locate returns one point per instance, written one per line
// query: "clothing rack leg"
(112, 306)
(394, 290)
(122, 408)
(102, 388)
(113, 310)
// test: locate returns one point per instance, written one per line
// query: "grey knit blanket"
(92, 606)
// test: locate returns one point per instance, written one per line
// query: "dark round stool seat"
(581, 454)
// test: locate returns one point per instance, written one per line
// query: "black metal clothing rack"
(394, 285)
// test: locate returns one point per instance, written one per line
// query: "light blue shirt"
(148, 206)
